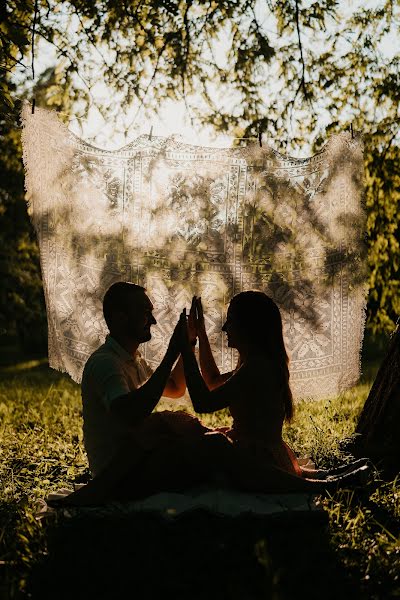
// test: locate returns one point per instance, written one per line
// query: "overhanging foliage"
(240, 66)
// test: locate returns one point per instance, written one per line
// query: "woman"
(257, 392)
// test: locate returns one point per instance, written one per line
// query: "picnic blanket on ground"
(226, 502)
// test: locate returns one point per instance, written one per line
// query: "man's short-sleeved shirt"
(110, 372)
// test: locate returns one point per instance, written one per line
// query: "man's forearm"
(154, 386)
(139, 403)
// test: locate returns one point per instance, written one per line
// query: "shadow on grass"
(198, 555)
(27, 365)
(33, 372)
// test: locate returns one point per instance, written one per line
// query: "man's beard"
(145, 336)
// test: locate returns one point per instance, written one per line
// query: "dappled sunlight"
(182, 220)
(26, 365)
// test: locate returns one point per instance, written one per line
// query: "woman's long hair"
(259, 321)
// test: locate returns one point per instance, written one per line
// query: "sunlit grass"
(42, 450)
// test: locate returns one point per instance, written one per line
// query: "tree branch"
(90, 37)
(303, 66)
(146, 90)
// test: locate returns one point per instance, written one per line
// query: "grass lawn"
(354, 553)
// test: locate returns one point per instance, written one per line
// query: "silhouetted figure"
(257, 394)
(119, 394)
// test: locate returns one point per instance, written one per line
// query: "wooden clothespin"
(35, 17)
(151, 133)
(351, 131)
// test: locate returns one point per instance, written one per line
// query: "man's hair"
(117, 297)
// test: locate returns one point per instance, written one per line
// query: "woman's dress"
(258, 418)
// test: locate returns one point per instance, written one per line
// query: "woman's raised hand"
(196, 324)
(185, 332)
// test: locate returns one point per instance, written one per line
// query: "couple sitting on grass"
(134, 452)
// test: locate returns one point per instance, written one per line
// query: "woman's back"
(258, 413)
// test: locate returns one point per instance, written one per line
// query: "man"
(119, 388)
(119, 393)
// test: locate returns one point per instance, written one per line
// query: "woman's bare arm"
(211, 374)
(203, 399)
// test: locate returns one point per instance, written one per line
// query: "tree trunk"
(378, 426)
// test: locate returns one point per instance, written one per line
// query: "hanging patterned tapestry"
(181, 219)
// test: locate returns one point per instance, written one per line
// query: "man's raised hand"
(192, 322)
(200, 325)
(175, 343)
